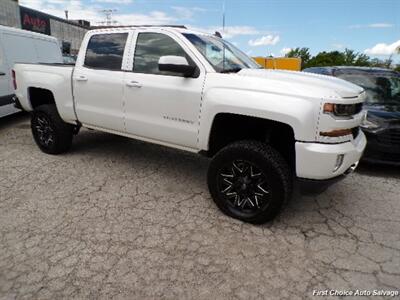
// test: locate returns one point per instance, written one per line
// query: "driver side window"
(150, 47)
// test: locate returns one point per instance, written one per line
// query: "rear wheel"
(50, 132)
(250, 181)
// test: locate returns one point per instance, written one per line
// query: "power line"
(108, 13)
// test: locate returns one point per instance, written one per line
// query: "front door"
(159, 105)
(98, 82)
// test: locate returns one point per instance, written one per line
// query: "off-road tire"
(61, 133)
(270, 163)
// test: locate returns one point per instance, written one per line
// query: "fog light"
(339, 162)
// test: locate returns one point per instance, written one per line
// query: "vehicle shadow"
(13, 120)
(379, 170)
(110, 147)
(107, 146)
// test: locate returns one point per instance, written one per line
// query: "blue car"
(382, 125)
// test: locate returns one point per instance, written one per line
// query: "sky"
(258, 27)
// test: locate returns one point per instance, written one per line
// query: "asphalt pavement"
(119, 218)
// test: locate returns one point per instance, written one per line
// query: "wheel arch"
(227, 128)
(39, 96)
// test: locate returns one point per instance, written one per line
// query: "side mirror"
(176, 64)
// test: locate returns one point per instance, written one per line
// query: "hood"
(308, 82)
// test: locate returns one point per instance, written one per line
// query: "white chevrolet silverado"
(197, 92)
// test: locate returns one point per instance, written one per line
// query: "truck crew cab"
(197, 92)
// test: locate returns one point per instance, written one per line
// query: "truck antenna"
(223, 31)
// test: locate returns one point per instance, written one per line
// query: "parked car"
(196, 92)
(382, 124)
(22, 46)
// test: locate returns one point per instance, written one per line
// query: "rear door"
(98, 81)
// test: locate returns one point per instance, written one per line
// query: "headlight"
(367, 124)
(342, 110)
(370, 122)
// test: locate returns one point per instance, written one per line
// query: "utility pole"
(108, 14)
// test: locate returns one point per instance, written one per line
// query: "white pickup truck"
(197, 92)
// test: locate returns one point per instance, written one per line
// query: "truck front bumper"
(318, 161)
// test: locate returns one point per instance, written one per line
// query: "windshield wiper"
(233, 70)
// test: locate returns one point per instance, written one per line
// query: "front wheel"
(249, 180)
(50, 132)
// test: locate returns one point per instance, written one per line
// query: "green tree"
(303, 53)
(336, 58)
(350, 56)
(381, 63)
(397, 68)
(325, 59)
(362, 60)
(347, 57)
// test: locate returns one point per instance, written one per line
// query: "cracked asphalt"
(118, 218)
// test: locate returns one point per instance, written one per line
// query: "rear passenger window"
(105, 51)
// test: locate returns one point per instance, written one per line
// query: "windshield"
(381, 87)
(223, 56)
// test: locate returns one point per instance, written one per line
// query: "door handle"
(134, 84)
(2, 73)
(81, 78)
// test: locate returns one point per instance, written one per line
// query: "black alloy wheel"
(44, 131)
(244, 186)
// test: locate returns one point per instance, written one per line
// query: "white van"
(22, 46)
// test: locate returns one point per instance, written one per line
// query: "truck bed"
(54, 78)
(48, 64)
